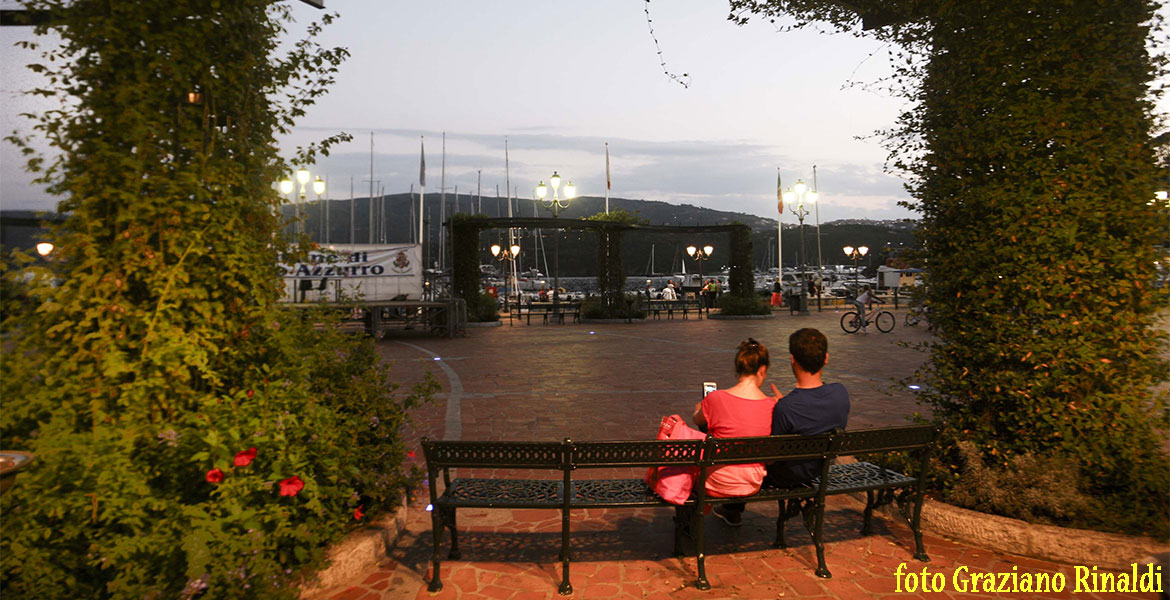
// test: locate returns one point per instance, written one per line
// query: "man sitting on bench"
(812, 408)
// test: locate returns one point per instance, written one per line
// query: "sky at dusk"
(558, 80)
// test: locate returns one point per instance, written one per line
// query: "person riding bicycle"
(865, 300)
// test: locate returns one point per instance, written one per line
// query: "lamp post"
(799, 200)
(509, 255)
(286, 188)
(556, 205)
(855, 254)
(700, 255)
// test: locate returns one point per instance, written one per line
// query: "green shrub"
(191, 437)
(1035, 489)
(483, 308)
(730, 304)
(593, 308)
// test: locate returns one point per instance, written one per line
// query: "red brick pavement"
(614, 381)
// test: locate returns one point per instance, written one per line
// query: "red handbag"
(674, 484)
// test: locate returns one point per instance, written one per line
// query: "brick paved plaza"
(615, 381)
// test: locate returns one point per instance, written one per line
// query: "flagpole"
(779, 228)
(422, 191)
(820, 268)
(515, 283)
(607, 184)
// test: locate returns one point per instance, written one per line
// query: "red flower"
(250, 392)
(410, 454)
(215, 476)
(244, 457)
(290, 486)
(358, 514)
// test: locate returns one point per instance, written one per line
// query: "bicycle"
(915, 315)
(884, 319)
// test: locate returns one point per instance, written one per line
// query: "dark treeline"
(392, 223)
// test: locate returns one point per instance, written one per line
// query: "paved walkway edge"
(359, 552)
(1048, 542)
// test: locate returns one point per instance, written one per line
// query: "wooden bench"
(547, 312)
(657, 307)
(881, 486)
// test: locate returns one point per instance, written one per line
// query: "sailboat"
(650, 272)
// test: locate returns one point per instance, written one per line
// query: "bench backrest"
(885, 439)
(635, 453)
(442, 454)
(721, 451)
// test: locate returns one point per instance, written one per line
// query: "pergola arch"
(465, 245)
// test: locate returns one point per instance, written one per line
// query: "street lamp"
(507, 254)
(700, 255)
(800, 200)
(556, 205)
(302, 175)
(855, 254)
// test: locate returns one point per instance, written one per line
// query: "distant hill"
(577, 249)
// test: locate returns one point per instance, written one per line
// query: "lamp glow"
(286, 186)
(790, 197)
(318, 186)
(813, 197)
(863, 250)
(555, 181)
(570, 190)
(848, 250)
(303, 176)
(708, 250)
(495, 249)
(541, 190)
(515, 249)
(44, 248)
(691, 250)
(800, 188)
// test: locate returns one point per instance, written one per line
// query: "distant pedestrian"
(777, 294)
(668, 293)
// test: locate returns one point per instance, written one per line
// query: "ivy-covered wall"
(192, 439)
(1032, 163)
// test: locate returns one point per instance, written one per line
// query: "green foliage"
(1038, 490)
(483, 307)
(629, 307)
(154, 356)
(740, 280)
(731, 304)
(1041, 293)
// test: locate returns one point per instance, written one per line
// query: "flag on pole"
(422, 164)
(607, 183)
(779, 193)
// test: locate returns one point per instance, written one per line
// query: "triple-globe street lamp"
(286, 189)
(508, 255)
(700, 255)
(800, 200)
(556, 205)
(855, 254)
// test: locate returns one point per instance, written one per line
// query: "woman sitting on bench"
(740, 411)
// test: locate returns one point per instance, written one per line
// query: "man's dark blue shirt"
(807, 412)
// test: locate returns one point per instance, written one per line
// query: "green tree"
(1031, 158)
(191, 438)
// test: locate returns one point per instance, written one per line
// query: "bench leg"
(700, 557)
(565, 588)
(916, 527)
(454, 554)
(436, 584)
(787, 509)
(867, 520)
(814, 521)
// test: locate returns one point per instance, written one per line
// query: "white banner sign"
(347, 271)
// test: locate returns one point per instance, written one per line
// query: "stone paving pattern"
(615, 381)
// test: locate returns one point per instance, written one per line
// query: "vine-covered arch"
(465, 245)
